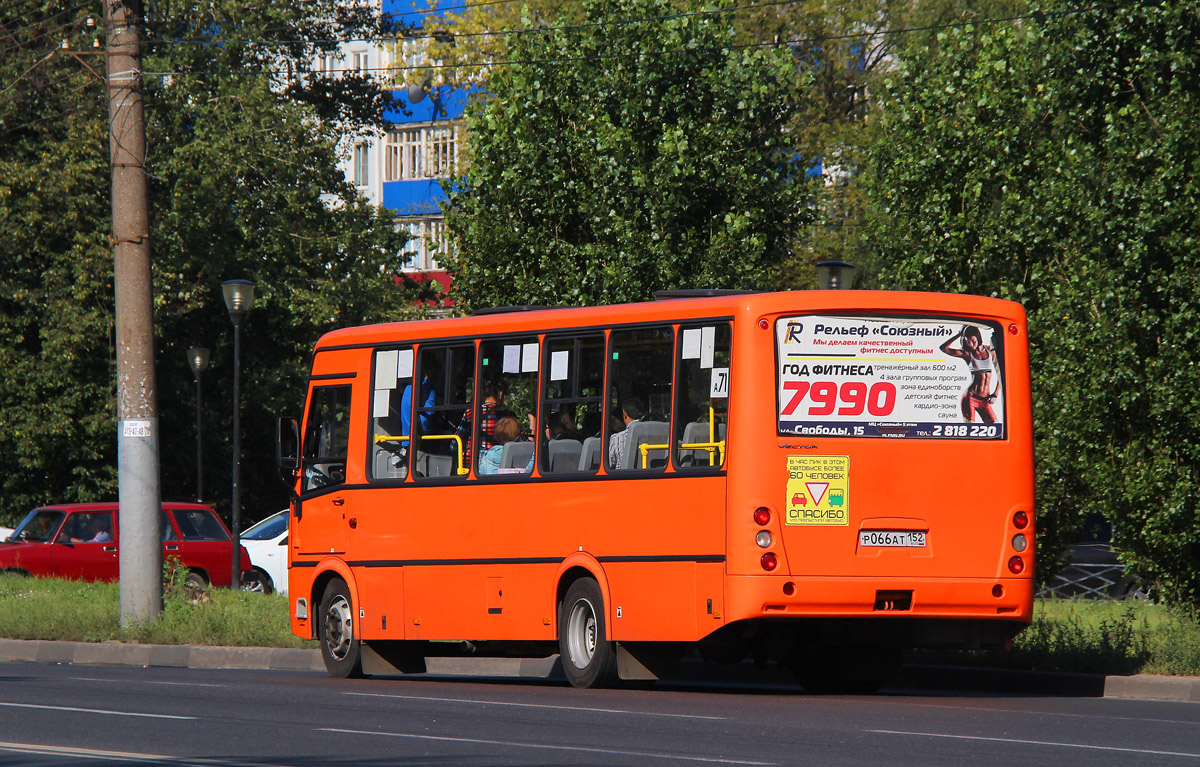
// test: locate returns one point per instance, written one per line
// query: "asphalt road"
(67, 715)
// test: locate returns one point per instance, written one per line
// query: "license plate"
(897, 538)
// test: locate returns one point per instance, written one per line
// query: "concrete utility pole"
(137, 415)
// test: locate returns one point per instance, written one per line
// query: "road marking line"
(95, 711)
(139, 681)
(534, 705)
(548, 747)
(1040, 743)
(94, 753)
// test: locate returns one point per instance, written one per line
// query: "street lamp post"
(198, 361)
(835, 275)
(238, 295)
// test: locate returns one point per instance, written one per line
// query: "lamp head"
(197, 359)
(238, 296)
(835, 275)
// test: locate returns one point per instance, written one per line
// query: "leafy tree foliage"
(626, 158)
(244, 184)
(1052, 161)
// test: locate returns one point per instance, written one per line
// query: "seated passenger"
(491, 411)
(632, 410)
(506, 430)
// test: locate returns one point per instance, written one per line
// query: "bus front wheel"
(588, 658)
(340, 647)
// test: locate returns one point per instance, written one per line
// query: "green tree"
(1052, 161)
(626, 157)
(244, 183)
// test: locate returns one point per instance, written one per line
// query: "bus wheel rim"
(338, 628)
(581, 641)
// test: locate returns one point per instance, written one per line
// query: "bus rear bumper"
(762, 596)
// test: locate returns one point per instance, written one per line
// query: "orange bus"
(818, 478)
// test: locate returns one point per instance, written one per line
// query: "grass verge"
(48, 608)
(1095, 637)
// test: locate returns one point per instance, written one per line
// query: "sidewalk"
(1141, 686)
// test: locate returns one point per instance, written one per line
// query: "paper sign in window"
(559, 362)
(691, 344)
(385, 370)
(404, 363)
(529, 358)
(383, 398)
(512, 359)
(708, 343)
(719, 386)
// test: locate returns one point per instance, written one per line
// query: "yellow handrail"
(708, 446)
(388, 438)
(457, 441)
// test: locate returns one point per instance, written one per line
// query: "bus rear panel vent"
(893, 600)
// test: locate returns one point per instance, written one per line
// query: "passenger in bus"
(428, 399)
(632, 409)
(490, 412)
(505, 429)
(562, 426)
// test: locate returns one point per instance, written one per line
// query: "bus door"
(323, 472)
(902, 449)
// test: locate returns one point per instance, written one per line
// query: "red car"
(80, 541)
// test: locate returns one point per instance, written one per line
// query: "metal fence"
(1080, 580)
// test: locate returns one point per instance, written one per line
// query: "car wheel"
(340, 646)
(195, 581)
(256, 582)
(588, 658)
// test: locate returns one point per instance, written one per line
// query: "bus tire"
(589, 659)
(340, 646)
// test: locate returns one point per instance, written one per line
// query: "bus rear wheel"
(588, 658)
(340, 646)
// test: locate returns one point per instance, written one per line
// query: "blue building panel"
(419, 13)
(443, 103)
(413, 198)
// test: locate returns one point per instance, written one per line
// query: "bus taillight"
(769, 561)
(1020, 520)
(1016, 565)
(1018, 542)
(763, 539)
(762, 515)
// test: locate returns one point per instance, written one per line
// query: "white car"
(267, 544)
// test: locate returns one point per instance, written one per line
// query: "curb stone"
(1140, 686)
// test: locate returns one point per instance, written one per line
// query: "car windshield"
(271, 527)
(39, 526)
(199, 525)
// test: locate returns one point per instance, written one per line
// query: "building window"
(326, 65)
(417, 154)
(361, 63)
(362, 164)
(428, 240)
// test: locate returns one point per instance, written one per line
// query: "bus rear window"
(889, 377)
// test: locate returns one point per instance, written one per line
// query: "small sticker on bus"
(818, 490)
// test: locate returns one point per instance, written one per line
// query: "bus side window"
(327, 437)
(702, 406)
(572, 405)
(439, 451)
(508, 383)
(639, 411)
(391, 412)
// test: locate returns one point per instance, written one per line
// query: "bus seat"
(647, 433)
(516, 455)
(565, 454)
(695, 432)
(431, 465)
(589, 456)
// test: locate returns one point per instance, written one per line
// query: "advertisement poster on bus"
(890, 377)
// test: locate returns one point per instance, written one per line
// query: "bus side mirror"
(287, 448)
